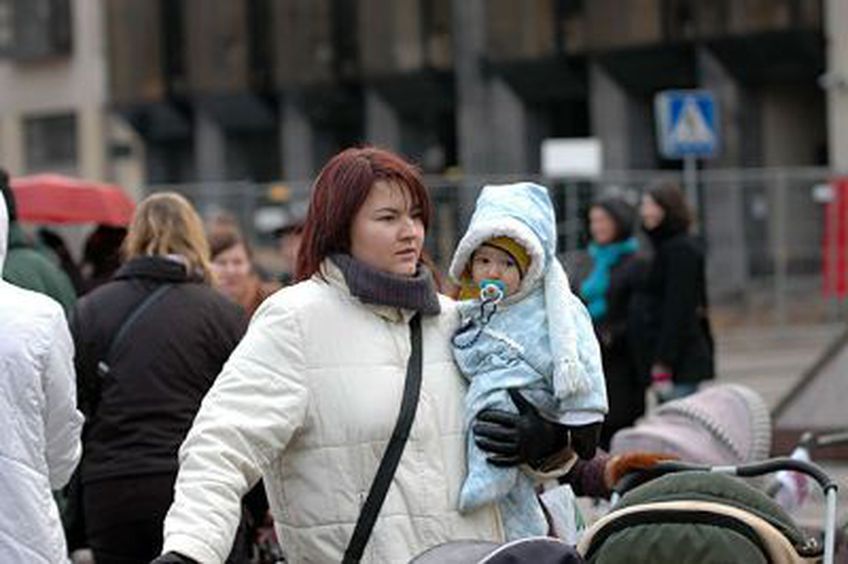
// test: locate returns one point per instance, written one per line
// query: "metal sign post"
(690, 181)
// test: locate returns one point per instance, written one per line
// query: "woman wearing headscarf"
(607, 292)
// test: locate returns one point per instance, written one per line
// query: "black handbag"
(391, 457)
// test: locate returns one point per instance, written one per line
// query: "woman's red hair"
(340, 190)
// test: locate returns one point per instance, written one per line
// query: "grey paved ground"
(771, 361)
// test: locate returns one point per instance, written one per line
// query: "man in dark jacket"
(26, 265)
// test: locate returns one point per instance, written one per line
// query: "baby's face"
(489, 262)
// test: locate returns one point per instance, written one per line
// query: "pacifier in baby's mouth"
(492, 290)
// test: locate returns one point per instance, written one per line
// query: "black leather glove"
(173, 558)
(527, 437)
(585, 439)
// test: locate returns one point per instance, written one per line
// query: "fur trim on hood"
(522, 212)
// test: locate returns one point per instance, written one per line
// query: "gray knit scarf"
(373, 286)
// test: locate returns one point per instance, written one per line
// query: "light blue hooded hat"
(524, 212)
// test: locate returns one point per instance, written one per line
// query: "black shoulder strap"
(120, 336)
(394, 450)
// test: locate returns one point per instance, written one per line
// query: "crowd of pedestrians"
(647, 297)
(213, 401)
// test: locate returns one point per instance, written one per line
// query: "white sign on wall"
(572, 157)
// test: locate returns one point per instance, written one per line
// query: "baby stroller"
(696, 511)
(688, 513)
(676, 513)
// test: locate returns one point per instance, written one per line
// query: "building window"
(51, 143)
(34, 29)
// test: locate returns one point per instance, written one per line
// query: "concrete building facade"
(263, 89)
(259, 90)
(55, 114)
(214, 91)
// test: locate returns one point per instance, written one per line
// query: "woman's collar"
(330, 273)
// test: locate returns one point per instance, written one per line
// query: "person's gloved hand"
(527, 437)
(585, 439)
(173, 558)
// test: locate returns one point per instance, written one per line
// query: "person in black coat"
(671, 328)
(141, 397)
(607, 292)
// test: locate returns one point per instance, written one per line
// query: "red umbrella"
(53, 198)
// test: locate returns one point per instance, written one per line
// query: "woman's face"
(387, 232)
(232, 271)
(652, 213)
(602, 226)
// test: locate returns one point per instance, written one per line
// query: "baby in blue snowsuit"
(521, 328)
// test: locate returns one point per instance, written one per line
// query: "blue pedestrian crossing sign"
(687, 123)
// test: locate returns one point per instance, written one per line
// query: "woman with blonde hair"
(149, 345)
(166, 225)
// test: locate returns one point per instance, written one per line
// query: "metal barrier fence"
(763, 228)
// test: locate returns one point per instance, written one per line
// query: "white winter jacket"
(39, 423)
(308, 401)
